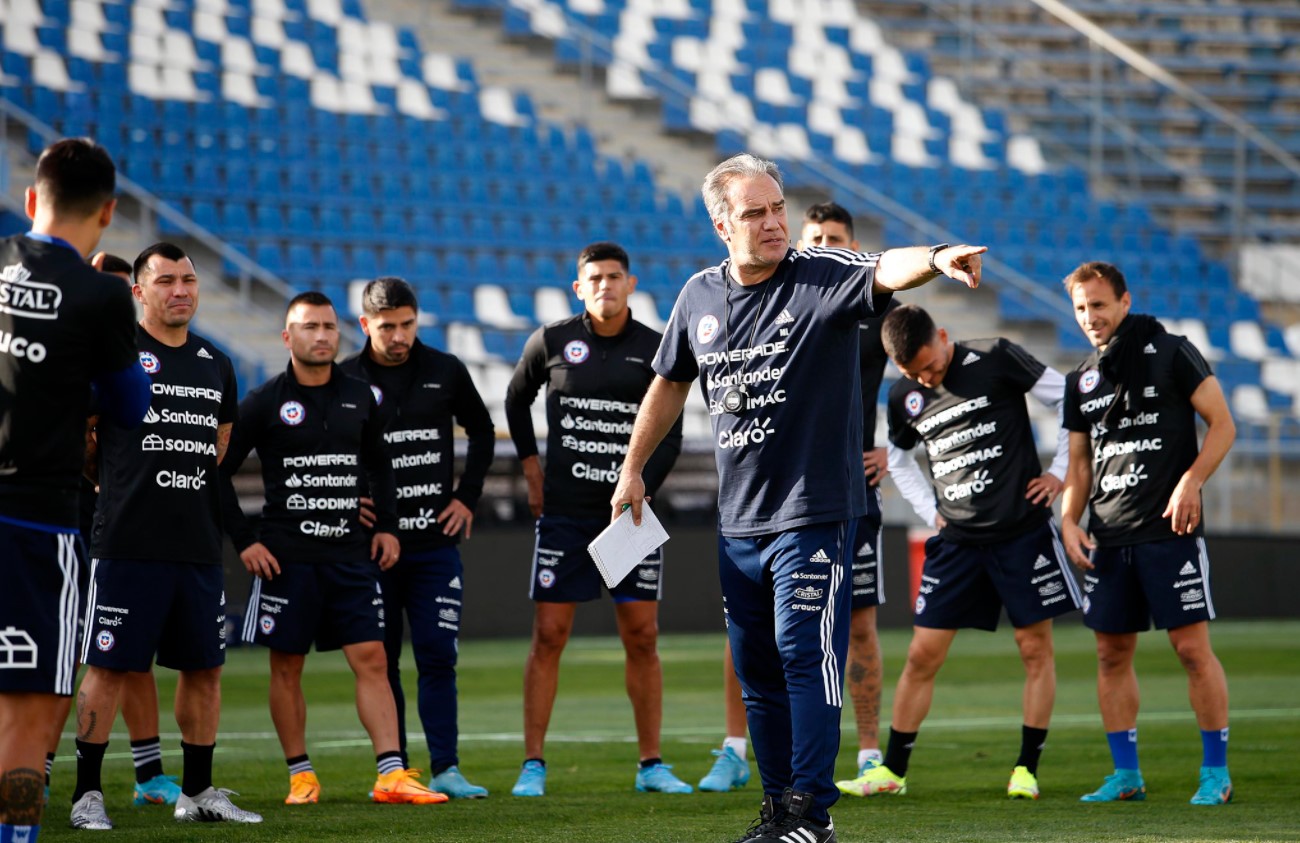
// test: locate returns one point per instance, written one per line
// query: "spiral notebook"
(622, 545)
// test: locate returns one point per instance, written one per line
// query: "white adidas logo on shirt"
(1150, 349)
(1042, 562)
(970, 358)
(1187, 570)
(203, 352)
(867, 550)
(455, 582)
(819, 556)
(785, 318)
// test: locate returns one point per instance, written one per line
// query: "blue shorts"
(966, 586)
(563, 571)
(1166, 581)
(138, 608)
(332, 605)
(868, 571)
(39, 605)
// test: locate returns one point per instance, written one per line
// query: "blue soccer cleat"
(451, 782)
(728, 772)
(1121, 786)
(532, 780)
(1216, 787)
(160, 790)
(659, 778)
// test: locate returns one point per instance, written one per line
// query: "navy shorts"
(868, 571)
(137, 608)
(1166, 581)
(563, 571)
(39, 605)
(966, 586)
(332, 605)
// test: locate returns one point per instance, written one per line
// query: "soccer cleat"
(451, 782)
(876, 780)
(88, 812)
(398, 787)
(659, 778)
(767, 813)
(532, 780)
(212, 806)
(304, 789)
(1121, 786)
(729, 772)
(160, 790)
(1023, 784)
(1216, 787)
(867, 766)
(793, 827)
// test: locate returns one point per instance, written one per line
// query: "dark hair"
(114, 265)
(76, 176)
(829, 212)
(603, 251)
(387, 293)
(168, 251)
(906, 331)
(1097, 269)
(314, 298)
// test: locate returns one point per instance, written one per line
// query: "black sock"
(1031, 747)
(49, 765)
(197, 774)
(90, 763)
(388, 762)
(147, 757)
(541, 761)
(899, 752)
(650, 762)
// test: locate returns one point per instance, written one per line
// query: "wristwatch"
(934, 250)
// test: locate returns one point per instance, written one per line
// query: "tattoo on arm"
(22, 796)
(223, 440)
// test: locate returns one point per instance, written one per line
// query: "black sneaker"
(766, 815)
(791, 827)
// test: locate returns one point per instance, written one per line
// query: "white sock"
(865, 755)
(738, 746)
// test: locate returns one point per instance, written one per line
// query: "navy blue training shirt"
(791, 456)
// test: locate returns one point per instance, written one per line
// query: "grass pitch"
(956, 784)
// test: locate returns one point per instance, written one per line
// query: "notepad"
(622, 545)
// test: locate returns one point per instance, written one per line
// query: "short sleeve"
(1071, 414)
(116, 349)
(675, 361)
(1021, 368)
(1189, 369)
(901, 433)
(852, 279)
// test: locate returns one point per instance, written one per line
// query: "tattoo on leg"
(857, 672)
(84, 716)
(22, 796)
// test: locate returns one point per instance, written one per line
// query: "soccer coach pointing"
(772, 335)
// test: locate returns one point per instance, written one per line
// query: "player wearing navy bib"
(1131, 410)
(595, 367)
(772, 335)
(828, 225)
(156, 584)
(422, 391)
(63, 327)
(316, 431)
(997, 547)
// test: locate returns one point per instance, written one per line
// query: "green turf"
(956, 783)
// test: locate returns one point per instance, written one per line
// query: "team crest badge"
(914, 403)
(707, 329)
(150, 362)
(104, 641)
(1088, 381)
(920, 603)
(378, 393)
(267, 624)
(546, 578)
(576, 351)
(292, 413)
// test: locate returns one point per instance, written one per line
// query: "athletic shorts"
(868, 571)
(563, 571)
(1166, 581)
(332, 605)
(966, 586)
(39, 605)
(137, 608)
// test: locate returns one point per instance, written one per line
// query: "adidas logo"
(455, 582)
(203, 352)
(820, 556)
(1150, 349)
(867, 550)
(1042, 562)
(785, 318)
(970, 358)
(1187, 570)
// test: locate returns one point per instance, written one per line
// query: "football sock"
(650, 762)
(388, 762)
(1124, 748)
(147, 756)
(738, 745)
(90, 762)
(197, 774)
(299, 764)
(1214, 744)
(899, 752)
(1031, 747)
(865, 755)
(49, 766)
